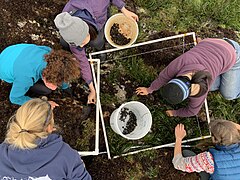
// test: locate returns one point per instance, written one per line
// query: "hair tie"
(23, 130)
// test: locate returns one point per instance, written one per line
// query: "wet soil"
(126, 114)
(162, 53)
(117, 37)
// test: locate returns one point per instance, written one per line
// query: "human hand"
(180, 132)
(169, 113)
(53, 104)
(142, 91)
(129, 14)
(92, 97)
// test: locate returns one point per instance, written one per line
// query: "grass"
(222, 108)
(138, 73)
(137, 70)
(177, 16)
(88, 133)
(183, 15)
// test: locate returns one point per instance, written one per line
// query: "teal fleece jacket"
(22, 65)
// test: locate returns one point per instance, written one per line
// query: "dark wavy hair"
(61, 67)
(202, 78)
(93, 32)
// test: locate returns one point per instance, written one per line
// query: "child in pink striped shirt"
(221, 162)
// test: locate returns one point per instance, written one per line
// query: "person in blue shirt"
(32, 150)
(36, 69)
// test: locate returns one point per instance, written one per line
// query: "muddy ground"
(25, 21)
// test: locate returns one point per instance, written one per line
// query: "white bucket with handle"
(127, 26)
(132, 120)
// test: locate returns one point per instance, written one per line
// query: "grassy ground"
(175, 16)
(183, 15)
(121, 76)
(130, 73)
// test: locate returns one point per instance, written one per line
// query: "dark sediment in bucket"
(117, 37)
(131, 124)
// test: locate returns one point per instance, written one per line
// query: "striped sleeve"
(201, 162)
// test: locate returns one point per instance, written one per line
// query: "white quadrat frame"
(96, 81)
(99, 108)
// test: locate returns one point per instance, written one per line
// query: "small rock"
(22, 24)
(121, 93)
(34, 37)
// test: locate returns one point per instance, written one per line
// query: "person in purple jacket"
(32, 150)
(213, 64)
(82, 22)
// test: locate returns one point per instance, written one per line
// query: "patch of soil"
(162, 53)
(7, 109)
(164, 162)
(29, 22)
(118, 37)
(25, 21)
(101, 168)
(218, 32)
(121, 168)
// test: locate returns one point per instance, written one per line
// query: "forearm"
(83, 64)
(183, 112)
(178, 147)
(161, 80)
(123, 10)
(91, 87)
(193, 107)
(155, 85)
(18, 91)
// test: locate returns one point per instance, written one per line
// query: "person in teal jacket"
(36, 69)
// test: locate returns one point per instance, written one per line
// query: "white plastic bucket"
(143, 116)
(128, 24)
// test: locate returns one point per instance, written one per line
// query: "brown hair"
(61, 67)
(202, 78)
(93, 32)
(224, 132)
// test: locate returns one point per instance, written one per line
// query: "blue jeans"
(228, 83)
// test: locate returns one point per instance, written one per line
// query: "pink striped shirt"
(201, 162)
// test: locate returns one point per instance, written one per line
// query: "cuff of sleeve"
(149, 90)
(120, 6)
(174, 112)
(65, 85)
(89, 81)
(177, 160)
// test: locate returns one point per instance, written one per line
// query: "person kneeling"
(36, 70)
(32, 150)
(221, 162)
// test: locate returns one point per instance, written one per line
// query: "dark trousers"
(203, 175)
(39, 88)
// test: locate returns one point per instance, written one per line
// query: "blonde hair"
(224, 132)
(29, 124)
